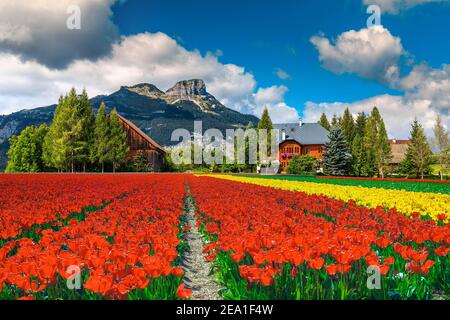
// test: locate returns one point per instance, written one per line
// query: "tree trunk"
(381, 172)
(84, 167)
(103, 167)
(114, 167)
(72, 163)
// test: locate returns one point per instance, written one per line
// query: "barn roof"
(306, 134)
(142, 134)
(399, 148)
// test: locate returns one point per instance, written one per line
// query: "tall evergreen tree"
(54, 149)
(87, 122)
(359, 156)
(378, 149)
(73, 129)
(348, 127)
(370, 135)
(442, 142)
(100, 151)
(118, 148)
(266, 124)
(324, 122)
(337, 158)
(358, 147)
(335, 121)
(64, 143)
(383, 151)
(360, 124)
(25, 152)
(418, 155)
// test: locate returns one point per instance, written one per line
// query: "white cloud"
(375, 54)
(273, 99)
(42, 59)
(146, 57)
(372, 53)
(398, 112)
(37, 30)
(396, 6)
(282, 74)
(424, 82)
(426, 94)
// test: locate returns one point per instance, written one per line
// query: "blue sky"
(264, 35)
(298, 58)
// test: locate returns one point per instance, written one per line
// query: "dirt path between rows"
(197, 270)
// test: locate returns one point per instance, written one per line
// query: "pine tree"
(348, 127)
(100, 151)
(266, 124)
(25, 152)
(418, 155)
(378, 149)
(324, 122)
(73, 130)
(360, 124)
(358, 148)
(442, 142)
(337, 157)
(335, 121)
(383, 149)
(359, 156)
(118, 148)
(370, 135)
(87, 121)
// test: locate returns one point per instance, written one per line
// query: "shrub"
(303, 164)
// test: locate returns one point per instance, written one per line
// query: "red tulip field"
(103, 237)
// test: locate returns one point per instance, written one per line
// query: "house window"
(308, 150)
(320, 149)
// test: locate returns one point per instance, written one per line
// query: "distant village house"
(300, 139)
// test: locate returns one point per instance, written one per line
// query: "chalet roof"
(306, 134)
(399, 148)
(142, 134)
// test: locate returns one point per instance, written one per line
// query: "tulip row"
(392, 184)
(127, 250)
(268, 243)
(29, 201)
(428, 205)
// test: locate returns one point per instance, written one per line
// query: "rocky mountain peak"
(188, 88)
(144, 89)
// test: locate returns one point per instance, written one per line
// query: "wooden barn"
(399, 148)
(138, 142)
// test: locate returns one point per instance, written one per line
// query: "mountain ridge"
(154, 111)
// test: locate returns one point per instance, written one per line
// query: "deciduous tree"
(25, 152)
